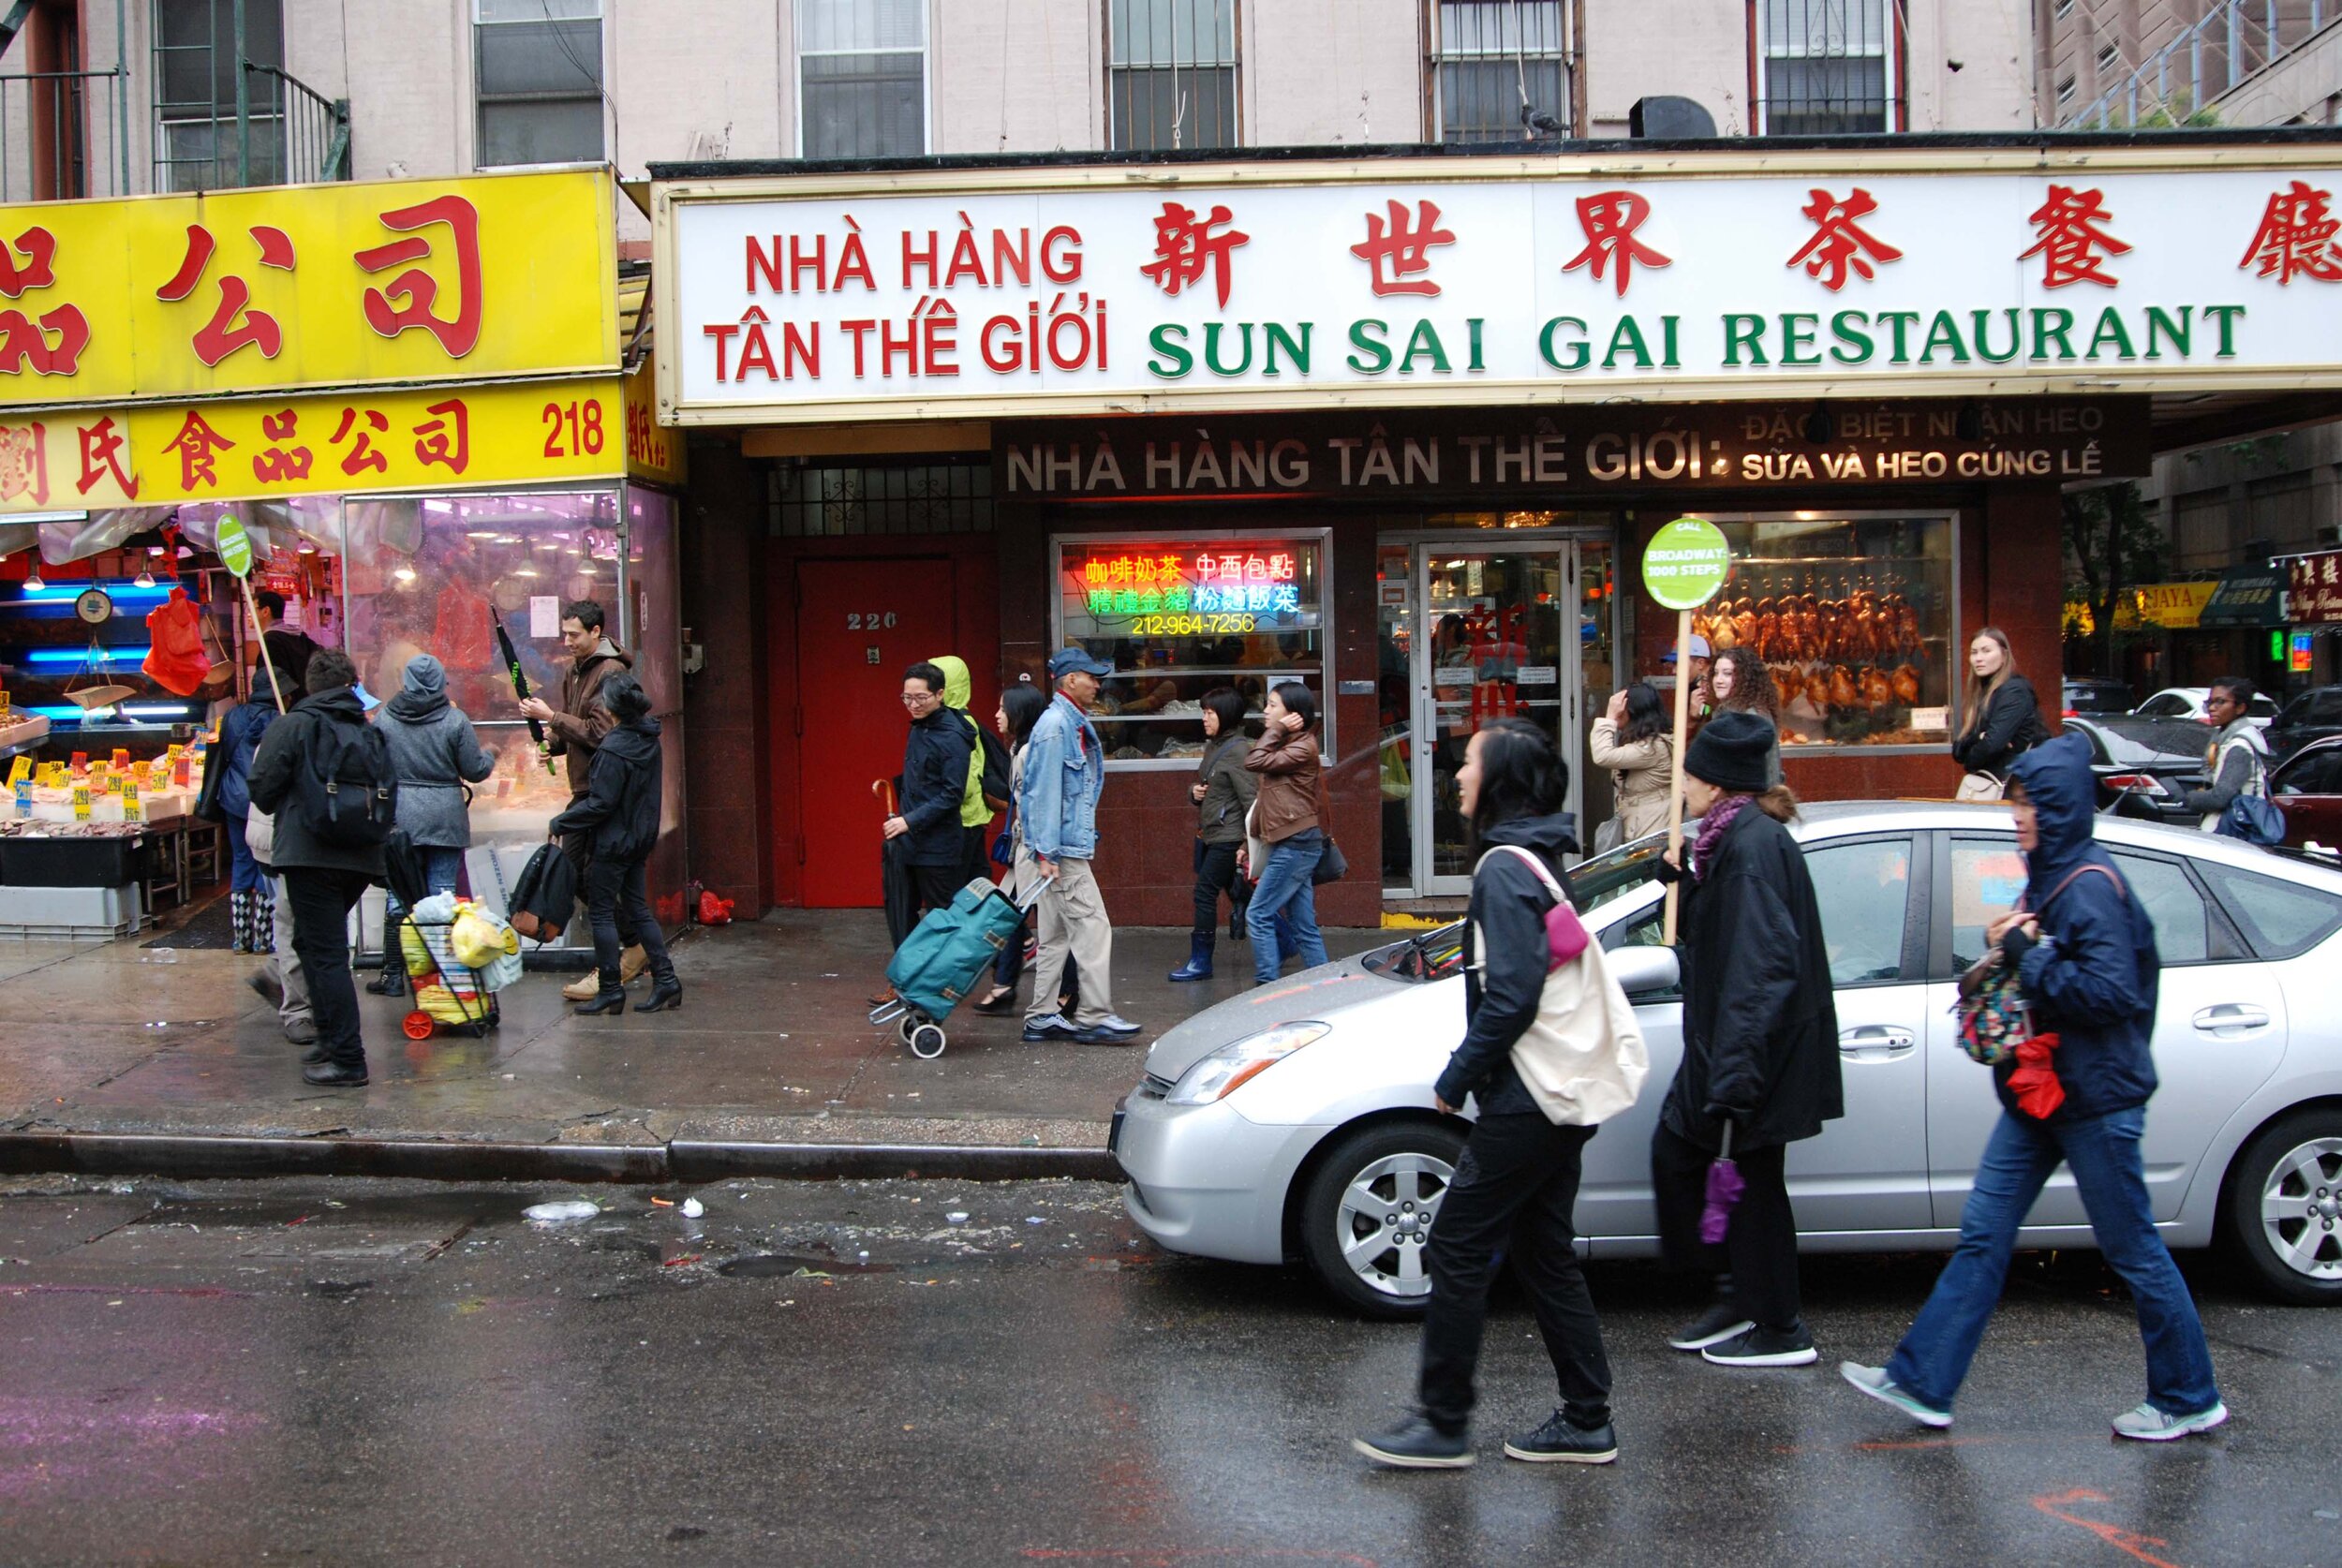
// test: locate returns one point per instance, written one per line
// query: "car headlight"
(1219, 1074)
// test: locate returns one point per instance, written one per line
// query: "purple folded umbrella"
(1725, 1186)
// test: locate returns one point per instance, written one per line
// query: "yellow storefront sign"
(342, 443)
(338, 285)
(2176, 606)
(653, 452)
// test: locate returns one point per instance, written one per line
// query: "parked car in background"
(1296, 1120)
(2312, 715)
(2186, 702)
(2307, 788)
(2097, 697)
(2146, 767)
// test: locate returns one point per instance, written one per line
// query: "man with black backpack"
(325, 774)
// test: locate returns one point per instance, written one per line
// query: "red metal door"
(859, 625)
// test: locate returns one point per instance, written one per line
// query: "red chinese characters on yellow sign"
(162, 453)
(243, 292)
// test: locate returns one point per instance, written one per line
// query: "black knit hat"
(1730, 751)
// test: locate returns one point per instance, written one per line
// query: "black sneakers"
(1559, 1441)
(1718, 1323)
(1414, 1443)
(1765, 1347)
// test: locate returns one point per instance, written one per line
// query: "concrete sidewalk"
(773, 1046)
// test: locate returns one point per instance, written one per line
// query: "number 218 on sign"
(577, 423)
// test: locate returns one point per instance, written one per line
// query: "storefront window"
(1853, 617)
(422, 574)
(1178, 614)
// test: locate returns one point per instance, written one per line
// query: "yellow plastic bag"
(411, 948)
(479, 938)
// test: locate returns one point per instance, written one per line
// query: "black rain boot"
(391, 982)
(666, 992)
(610, 999)
(1198, 965)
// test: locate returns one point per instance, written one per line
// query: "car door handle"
(1875, 1041)
(2231, 1018)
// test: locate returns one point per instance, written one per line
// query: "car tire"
(2284, 1207)
(1404, 1167)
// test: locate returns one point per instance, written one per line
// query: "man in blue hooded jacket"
(2084, 952)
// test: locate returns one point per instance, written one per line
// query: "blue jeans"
(1285, 889)
(245, 873)
(439, 869)
(2103, 1154)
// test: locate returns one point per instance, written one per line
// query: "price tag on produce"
(24, 797)
(81, 803)
(20, 772)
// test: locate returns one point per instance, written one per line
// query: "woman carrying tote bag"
(1516, 1186)
(2003, 717)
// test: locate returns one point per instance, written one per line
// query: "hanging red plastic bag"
(176, 662)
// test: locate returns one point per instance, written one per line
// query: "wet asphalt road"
(393, 1372)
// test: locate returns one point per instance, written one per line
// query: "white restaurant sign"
(1076, 290)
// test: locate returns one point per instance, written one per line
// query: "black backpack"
(348, 794)
(994, 765)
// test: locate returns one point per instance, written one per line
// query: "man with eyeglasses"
(2238, 758)
(934, 851)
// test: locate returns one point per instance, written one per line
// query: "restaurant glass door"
(1477, 634)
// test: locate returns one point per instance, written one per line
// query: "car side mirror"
(1644, 971)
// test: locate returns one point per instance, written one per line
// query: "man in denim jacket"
(1057, 803)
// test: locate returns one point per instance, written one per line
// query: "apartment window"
(1491, 59)
(862, 78)
(2061, 9)
(197, 61)
(1825, 67)
(2109, 58)
(537, 65)
(1171, 73)
(2065, 91)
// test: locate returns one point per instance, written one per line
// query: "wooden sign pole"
(253, 609)
(1675, 789)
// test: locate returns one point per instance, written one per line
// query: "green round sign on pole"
(1685, 563)
(234, 546)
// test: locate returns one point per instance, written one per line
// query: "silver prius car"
(1296, 1120)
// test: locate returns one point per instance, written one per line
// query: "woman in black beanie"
(1761, 1044)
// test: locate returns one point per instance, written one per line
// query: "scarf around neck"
(1711, 828)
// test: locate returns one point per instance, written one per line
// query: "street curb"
(193, 1156)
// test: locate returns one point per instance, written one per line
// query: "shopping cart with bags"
(945, 957)
(457, 954)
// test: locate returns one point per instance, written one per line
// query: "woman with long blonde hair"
(2001, 718)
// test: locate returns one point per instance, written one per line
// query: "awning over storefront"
(2246, 596)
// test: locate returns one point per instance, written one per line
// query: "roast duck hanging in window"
(1848, 666)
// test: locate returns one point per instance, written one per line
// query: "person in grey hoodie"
(2238, 756)
(435, 752)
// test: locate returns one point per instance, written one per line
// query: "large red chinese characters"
(233, 324)
(2072, 245)
(417, 289)
(2296, 237)
(1397, 250)
(1609, 220)
(1840, 244)
(54, 347)
(1186, 248)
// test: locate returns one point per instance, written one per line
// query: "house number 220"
(870, 620)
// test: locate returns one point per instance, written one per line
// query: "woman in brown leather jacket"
(1284, 817)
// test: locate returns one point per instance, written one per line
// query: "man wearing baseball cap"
(1057, 801)
(1701, 656)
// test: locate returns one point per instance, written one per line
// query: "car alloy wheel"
(2301, 1209)
(2284, 1207)
(1386, 1217)
(1367, 1214)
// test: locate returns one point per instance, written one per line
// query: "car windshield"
(1436, 953)
(2138, 742)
